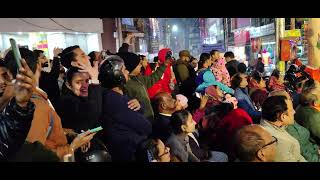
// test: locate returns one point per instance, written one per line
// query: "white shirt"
(288, 148)
(168, 115)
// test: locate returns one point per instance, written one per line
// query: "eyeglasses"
(166, 151)
(275, 140)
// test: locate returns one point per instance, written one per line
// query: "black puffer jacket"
(48, 81)
(15, 123)
(80, 113)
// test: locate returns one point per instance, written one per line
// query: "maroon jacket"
(227, 128)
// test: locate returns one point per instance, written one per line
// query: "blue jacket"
(209, 80)
(245, 102)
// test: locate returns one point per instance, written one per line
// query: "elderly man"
(255, 144)
(308, 113)
(165, 106)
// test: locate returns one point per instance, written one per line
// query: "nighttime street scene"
(160, 90)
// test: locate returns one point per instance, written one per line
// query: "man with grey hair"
(308, 112)
(254, 144)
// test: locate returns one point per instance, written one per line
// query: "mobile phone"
(16, 52)
(198, 95)
(94, 130)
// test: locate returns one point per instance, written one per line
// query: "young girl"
(220, 72)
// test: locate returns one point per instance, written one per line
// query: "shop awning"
(84, 25)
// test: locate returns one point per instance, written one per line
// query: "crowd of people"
(185, 110)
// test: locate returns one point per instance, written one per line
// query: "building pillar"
(292, 23)
(313, 37)
(280, 28)
(119, 39)
(108, 38)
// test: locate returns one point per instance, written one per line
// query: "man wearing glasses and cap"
(277, 114)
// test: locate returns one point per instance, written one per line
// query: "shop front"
(241, 48)
(47, 33)
(47, 41)
(263, 44)
(212, 34)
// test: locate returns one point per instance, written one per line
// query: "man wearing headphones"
(124, 128)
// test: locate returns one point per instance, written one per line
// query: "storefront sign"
(206, 48)
(202, 26)
(293, 33)
(282, 67)
(285, 50)
(242, 22)
(154, 46)
(241, 37)
(262, 30)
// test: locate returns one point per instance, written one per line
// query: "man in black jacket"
(48, 81)
(16, 118)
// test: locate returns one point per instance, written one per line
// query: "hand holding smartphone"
(198, 95)
(97, 129)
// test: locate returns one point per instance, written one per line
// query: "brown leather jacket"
(46, 125)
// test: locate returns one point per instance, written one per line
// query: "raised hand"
(134, 105)
(24, 85)
(92, 71)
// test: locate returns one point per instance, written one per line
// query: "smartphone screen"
(94, 130)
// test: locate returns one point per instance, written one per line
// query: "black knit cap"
(131, 60)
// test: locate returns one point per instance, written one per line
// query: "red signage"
(241, 38)
(285, 50)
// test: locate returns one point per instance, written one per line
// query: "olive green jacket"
(137, 87)
(308, 148)
(309, 118)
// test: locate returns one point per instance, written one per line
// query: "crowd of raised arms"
(122, 107)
